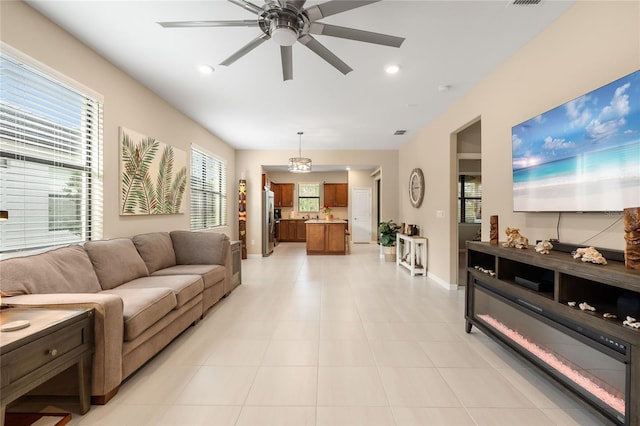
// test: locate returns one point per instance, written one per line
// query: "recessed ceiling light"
(205, 69)
(392, 69)
(444, 88)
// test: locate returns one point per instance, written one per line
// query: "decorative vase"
(632, 237)
(327, 217)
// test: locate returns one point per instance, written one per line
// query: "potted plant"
(388, 231)
(327, 212)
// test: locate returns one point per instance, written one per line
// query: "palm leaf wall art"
(147, 184)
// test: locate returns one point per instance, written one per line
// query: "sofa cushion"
(156, 249)
(185, 287)
(63, 270)
(211, 274)
(199, 248)
(142, 308)
(115, 261)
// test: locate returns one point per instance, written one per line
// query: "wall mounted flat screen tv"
(583, 156)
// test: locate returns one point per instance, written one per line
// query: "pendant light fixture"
(300, 164)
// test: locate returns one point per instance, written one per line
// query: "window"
(208, 190)
(469, 199)
(50, 157)
(308, 197)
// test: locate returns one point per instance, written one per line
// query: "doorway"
(469, 192)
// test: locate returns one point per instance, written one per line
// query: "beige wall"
(249, 165)
(592, 44)
(126, 103)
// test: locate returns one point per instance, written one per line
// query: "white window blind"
(50, 160)
(208, 190)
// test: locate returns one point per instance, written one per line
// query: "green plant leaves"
(388, 231)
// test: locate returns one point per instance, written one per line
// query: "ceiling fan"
(288, 21)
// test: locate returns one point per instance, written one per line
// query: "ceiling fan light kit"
(287, 21)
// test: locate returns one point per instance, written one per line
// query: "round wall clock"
(416, 187)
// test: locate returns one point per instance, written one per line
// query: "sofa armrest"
(200, 248)
(108, 331)
(228, 269)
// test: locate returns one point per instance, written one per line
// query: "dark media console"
(529, 303)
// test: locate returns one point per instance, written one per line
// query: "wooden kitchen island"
(326, 236)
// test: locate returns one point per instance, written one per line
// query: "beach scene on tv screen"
(581, 156)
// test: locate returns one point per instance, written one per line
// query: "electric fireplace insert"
(530, 304)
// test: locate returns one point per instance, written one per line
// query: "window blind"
(50, 159)
(470, 199)
(208, 190)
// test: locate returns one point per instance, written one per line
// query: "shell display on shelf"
(584, 306)
(590, 254)
(515, 239)
(543, 247)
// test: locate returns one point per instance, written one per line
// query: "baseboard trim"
(442, 282)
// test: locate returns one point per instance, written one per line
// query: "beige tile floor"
(335, 340)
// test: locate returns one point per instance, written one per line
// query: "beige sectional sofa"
(145, 291)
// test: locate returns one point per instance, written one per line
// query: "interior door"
(361, 215)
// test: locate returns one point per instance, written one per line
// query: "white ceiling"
(453, 43)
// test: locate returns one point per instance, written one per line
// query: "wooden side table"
(55, 340)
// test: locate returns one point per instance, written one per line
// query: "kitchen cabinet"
(326, 237)
(292, 230)
(336, 195)
(282, 194)
(301, 230)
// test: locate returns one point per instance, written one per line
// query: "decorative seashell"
(631, 319)
(590, 254)
(632, 324)
(515, 239)
(609, 316)
(572, 304)
(586, 307)
(543, 247)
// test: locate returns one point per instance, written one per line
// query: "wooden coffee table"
(55, 340)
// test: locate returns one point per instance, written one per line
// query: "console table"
(411, 252)
(55, 340)
(564, 317)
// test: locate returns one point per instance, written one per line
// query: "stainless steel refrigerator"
(268, 223)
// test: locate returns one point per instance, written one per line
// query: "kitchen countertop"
(326, 221)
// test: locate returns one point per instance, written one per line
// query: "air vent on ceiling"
(525, 2)
(400, 132)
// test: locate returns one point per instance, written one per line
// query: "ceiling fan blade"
(197, 24)
(353, 34)
(287, 62)
(246, 49)
(248, 6)
(325, 53)
(334, 7)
